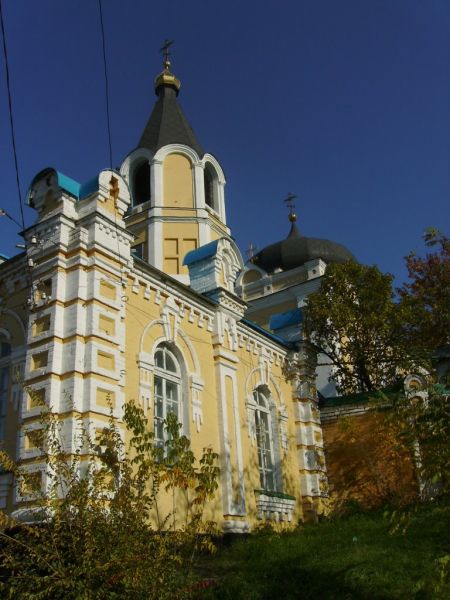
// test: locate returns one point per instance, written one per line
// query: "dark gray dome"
(296, 249)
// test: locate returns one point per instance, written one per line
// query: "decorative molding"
(274, 507)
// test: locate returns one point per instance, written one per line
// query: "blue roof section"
(201, 253)
(272, 336)
(4, 256)
(79, 190)
(286, 319)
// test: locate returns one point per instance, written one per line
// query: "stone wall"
(364, 460)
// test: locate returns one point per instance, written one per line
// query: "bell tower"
(177, 189)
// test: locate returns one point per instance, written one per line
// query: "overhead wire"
(105, 69)
(108, 122)
(11, 119)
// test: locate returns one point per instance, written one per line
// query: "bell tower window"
(141, 183)
(210, 179)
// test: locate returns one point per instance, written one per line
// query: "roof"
(167, 124)
(71, 186)
(286, 319)
(201, 253)
(297, 249)
(272, 336)
(79, 190)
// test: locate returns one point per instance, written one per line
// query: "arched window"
(5, 355)
(264, 440)
(167, 391)
(141, 183)
(210, 179)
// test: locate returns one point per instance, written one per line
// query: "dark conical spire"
(167, 123)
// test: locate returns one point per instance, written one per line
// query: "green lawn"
(350, 557)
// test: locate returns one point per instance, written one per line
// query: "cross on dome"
(289, 201)
(166, 53)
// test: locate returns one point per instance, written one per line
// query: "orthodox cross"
(289, 201)
(251, 250)
(166, 52)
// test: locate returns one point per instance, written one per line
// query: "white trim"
(230, 505)
(190, 153)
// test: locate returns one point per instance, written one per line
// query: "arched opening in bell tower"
(141, 183)
(211, 192)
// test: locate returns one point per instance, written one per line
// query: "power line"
(106, 83)
(108, 121)
(11, 120)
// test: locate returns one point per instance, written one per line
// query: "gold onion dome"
(166, 78)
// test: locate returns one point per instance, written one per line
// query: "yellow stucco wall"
(178, 240)
(178, 181)
(135, 310)
(194, 345)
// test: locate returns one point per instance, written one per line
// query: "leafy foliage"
(354, 321)
(99, 529)
(371, 340)
(424, 428)
(425, 298)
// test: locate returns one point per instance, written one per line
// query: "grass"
(351, 557)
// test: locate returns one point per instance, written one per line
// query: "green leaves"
(353, 320)
(105, 512)
(425, 298)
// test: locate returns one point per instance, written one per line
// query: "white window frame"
(165, 379)
(264, 441)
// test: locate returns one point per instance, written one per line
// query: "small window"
(138, 250)
(167, 391)
(141, 183)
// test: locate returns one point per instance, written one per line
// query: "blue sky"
(344, 103)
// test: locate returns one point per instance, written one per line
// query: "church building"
(132, 288)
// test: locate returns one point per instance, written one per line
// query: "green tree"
(371, 339)
(354, 321)
(99, 528)
(425, 297)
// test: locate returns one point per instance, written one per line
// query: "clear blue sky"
(345, 103)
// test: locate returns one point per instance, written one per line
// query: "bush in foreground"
(99, 528)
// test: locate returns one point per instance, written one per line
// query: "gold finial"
(289, 201)
(166, 78)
